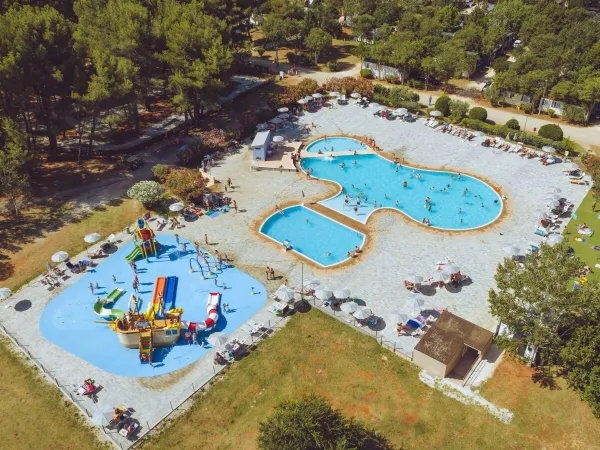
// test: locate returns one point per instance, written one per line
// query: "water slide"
(170, 293)
(114, 295)
(155, 306)
(212, 306)
(106, 313)
(135, 253)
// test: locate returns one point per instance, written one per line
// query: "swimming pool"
(69, 320)
(456, 203)
(335, 144)
(312, 235)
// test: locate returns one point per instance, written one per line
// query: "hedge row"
(397, 97)
(521, 136)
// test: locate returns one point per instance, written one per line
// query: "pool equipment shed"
(452, 344)
(260, 145)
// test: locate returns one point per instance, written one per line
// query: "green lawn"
(34, 414)
(316, 353)
(583, 249)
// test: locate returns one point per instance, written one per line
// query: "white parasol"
(552, 202)
(60, 256)
(285, 294)
(176, 207)
(363, 313)
(323, 294)
(302, 101)
(413, 278)
(317, 95)
(548, 149)
(283, 116)
(451, 269)
(401, 111)
(276, 120)
(262, 126)
(91, 238)
(342, 293)
(217, 339)
(554, 239)
(283, 110)
(5, 293)
(398, 317)
(511, 250)
(349, 307)
(334, 94)
(435, 114)
(355, 95)
(278, 139)
(439, 276)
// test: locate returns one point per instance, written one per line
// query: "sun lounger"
(578, 181)
(541, 231)
(73, 268)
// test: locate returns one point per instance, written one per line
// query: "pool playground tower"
(144, 241)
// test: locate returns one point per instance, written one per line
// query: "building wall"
(431, 365)
(454, 361)
(515, 99)
(381, 71)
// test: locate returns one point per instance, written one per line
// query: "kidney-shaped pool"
(445, 200)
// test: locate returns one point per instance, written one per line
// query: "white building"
(260, 145)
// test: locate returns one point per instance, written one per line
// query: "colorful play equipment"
(212, 307)
(200, 269)
(157, 327)
(100, 307)
(204, 256)
(144, 241)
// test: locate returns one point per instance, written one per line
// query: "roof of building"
(448, 334)
(261, 138)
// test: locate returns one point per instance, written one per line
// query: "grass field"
(28, 246)
(316, 353)
(584, 249)
(34, 413)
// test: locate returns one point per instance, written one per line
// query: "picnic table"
(279, 308)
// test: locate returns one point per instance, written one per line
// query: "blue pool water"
(313, 235)
(68, 320)
(335, 144)
(451, 207)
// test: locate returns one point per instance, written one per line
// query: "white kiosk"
(260, 145)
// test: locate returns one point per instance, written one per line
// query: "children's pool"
(456, 203)
(312, 235)
(69, 319)
(335, 144)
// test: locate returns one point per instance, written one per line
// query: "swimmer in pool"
(397, 170)
(427, 200)
(342, 165)
(405, 184)
(384, 195)
(465, 191)
(432, 188)
(354, 162)
(375, 204)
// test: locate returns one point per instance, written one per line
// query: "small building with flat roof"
(260, 145)
(451, 343)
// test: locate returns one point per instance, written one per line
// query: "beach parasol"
(283, 110)
(542, 215)
(317, 95)
(439, 276)
(262, 126)
(283, 116)
(302, 101)
(276, 120)
(349, 307)
(552, 202)
(413, 303)
(312, 284)
(285, 294)
(278, 139)
(342, 293)
(413, 278)
(401, 111)
(355, 95)
(451, 269)
(435, 113)
(5, 293)
(511, 250)
(548, 149)
(308, 98)
(363, 313)
(92, 238)
(60, 256)
(398, 317)
(217, 339)
(323, 294)
(334, 94)
(176, 207)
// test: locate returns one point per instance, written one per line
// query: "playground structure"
(145, 241)
(212, 309)
(217, 267)
(100, 307)
(157, 327)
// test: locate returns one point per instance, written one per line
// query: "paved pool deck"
(399, 248)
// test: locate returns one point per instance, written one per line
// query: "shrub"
(333, 66)
(513, 124)
(551, 112)
(366, 73)
(392, 79)
(574, 114)
(478, 113)
(442, 104)
(303, 60)
(148, 193)
(551, 131)
(458, 109)
(527, 107)
(291, 57)
(347, 85)
(160, 171)
(416, 84)
(260, 51)
(187, 184)
(493, 94)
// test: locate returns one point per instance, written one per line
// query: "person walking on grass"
(594, 206)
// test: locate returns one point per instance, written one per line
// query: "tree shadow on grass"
(545, 377)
